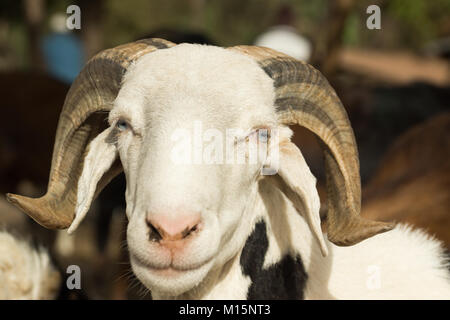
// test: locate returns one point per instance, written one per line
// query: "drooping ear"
(296, 181)
(100, 157)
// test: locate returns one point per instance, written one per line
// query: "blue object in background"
(63, 55)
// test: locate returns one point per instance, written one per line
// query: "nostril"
(188, 231)
(154, 233)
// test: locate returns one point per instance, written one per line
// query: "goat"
(26, 271)
(247, 230)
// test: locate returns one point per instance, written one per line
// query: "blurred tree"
(421, 20)
(338, 14)
(406, 24)
(34, 13)
(92, 26)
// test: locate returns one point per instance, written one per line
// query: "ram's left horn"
(81, 120)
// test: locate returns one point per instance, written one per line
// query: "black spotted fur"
(283, 280)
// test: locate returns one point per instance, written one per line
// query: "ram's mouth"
(169, 271)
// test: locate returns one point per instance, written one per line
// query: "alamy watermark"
(374, 20)
(373, 281)
(74, 279)
(232, 146)
(74, 20)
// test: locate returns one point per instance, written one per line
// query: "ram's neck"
(281, 249)
(275, 258)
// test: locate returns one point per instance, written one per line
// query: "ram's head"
(187, 218)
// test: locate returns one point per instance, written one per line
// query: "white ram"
(224, 230)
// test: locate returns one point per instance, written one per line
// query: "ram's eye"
(122, 125)
(263, 135)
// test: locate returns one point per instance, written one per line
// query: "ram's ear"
(295, 180)
(101, 155)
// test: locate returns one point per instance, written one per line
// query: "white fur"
(173, 88)
(25, 272)
(411, 264)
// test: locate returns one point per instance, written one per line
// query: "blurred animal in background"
(380, 113)
(26, 270)
(412, 183)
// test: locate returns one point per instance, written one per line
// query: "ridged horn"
(82, 118)
(304, 97)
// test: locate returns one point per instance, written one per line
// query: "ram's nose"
(167, 229)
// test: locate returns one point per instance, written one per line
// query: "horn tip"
(15, 199)
(39, 211)
(363, 230)
(25, 204)
(10, 197)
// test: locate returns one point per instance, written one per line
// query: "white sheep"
(26, 271)
(223, 230)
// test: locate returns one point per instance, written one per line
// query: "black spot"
(283, 280)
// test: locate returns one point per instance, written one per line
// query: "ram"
(221, 229)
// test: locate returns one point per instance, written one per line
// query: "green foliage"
(419, 21)
(352, 30)
(227, 22)
(405, 23)
(414, 17)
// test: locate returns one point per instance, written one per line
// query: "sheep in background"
(26, 271)
(412, 182)
(226, 231)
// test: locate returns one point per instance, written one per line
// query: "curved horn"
(304, 97)
(82, 118)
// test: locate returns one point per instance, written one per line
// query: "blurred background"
(393, 81)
